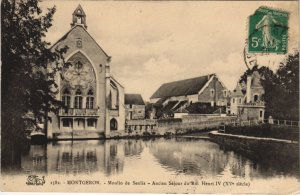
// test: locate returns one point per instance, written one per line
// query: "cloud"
(150, 75)
(156, 42)
(229, 69)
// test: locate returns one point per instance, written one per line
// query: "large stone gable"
(206, 96)
(88, 46)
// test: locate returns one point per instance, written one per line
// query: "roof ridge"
(132, 94)
(182, 87)
(189, 78)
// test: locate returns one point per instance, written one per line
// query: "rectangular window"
(90, 123)
(66, 101)
(90, 102)
(78, 102)
(233, 100)
(79, 43)
(66, 123)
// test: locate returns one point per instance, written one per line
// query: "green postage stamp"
(268, 31)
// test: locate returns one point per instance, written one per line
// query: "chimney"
(248, 92)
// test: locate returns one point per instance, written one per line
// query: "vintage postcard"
(150, 96)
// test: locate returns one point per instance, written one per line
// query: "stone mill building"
(94, 99)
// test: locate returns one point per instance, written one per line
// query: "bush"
(265, 130)
(168, 133)
(146, 133)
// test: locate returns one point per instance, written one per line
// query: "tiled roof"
(169, 105)
(180, 88)
(135, 99)
(179, 105)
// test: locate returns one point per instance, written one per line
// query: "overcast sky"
(156, 42)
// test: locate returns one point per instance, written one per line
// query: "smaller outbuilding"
(134, 107)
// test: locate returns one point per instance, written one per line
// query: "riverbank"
(192, 133)
(258, 147)
(266, 131)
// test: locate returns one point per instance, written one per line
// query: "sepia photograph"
(188, 97)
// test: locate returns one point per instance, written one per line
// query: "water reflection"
(174, 156)
(205, 158)
(36, 159)
(191, 157)
(80, 157)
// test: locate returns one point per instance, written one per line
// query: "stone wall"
(191, 118)
(190, 124)
(137, 112)
(206, 96)
(249, 112)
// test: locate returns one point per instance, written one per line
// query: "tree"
(266, 75)
(288, 89)
(28, 87)
(281, 88)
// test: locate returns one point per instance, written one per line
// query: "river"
(156, 160)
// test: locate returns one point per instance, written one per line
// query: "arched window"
(79, 19)
(212, 92)
(66, 97)
(224, 93)
(255, 98)
(90, 99)
(240, 100)
(78, 99)
(113, 124)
